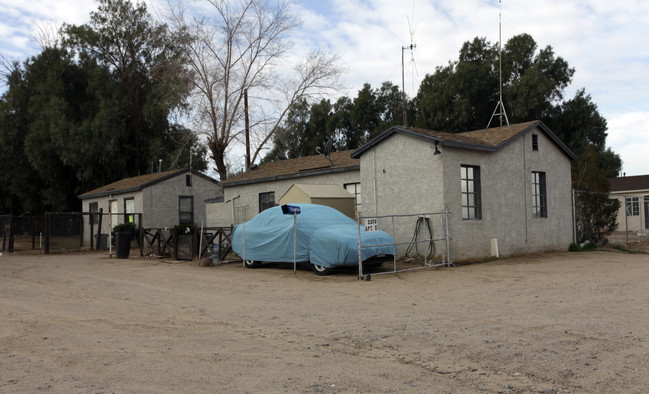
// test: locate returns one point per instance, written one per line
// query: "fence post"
(33, 234)
(46, 224)
(174, 234)
(11, 233)
(140, 235)
(92, 231)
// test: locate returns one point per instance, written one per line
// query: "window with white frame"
(92, 208)
(471, 193)
(632, 206)
(129, 210)
(539, 195)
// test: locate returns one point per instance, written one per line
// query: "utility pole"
(245, 110)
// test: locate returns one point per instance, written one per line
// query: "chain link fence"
(421, 241)
(595, 216)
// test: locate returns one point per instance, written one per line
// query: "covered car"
(324, 237)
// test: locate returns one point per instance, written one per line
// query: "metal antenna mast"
(500, 104)
(412, 46)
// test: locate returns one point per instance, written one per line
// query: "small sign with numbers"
(371, 224)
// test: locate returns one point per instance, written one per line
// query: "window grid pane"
(632, 206)
(186, 210)
(470, 192)
(539, 197)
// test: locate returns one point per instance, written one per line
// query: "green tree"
(147, 62)
(462, 95)
(19, 183)
(389, 101)
(365, 114)
(340, 125)
(305, 129)
(595, 213)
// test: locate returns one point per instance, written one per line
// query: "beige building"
(633, 194)
(247, 194)
(509, 186)
(334, 196)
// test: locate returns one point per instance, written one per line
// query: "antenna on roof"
(500, 104)
(412, 46)
(327, 150)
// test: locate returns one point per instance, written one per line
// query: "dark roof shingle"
(484, 139)
(290, 168)
(137, 183)
(629, 183)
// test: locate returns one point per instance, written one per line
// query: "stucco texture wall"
(630, 222)
(401, 175)
(506, 184)
(160, 201)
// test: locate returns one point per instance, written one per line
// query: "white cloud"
(628, 137)
(605, 41)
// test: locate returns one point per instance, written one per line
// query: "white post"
(574, 217)
(360, 256)
(200, 244)
(244, 243)
(294, 243)
(110, 234)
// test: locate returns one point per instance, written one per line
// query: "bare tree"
(243, 45)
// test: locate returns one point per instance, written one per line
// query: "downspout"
(376, 203)
(232, 200)
(525, 187)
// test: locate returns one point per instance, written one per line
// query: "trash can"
(123, 244)
(101, 241)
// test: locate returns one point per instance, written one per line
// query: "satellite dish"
(327, 150)
(328, 146)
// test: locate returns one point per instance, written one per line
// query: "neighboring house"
(247, 194)
(334, 196)
(511, 184)
(633, 194)
(165, 199)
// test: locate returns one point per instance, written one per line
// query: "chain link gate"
(410, 232)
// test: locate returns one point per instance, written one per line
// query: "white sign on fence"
(371, 224)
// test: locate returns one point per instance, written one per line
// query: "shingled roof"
(138, 183)
(630, 183)
(484, 139)
(296, 168)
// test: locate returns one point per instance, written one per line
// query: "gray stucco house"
(510, 184)
(248, 193)
(164, 199)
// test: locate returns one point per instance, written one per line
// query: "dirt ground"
(564, 322)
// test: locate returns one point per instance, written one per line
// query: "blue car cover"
(325, 237)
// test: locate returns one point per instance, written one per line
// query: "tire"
(252, 264)
(320, 270)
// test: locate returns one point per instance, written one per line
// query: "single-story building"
(633, 194)
(334, 196)
(165, 199)
(261, 187)
(511, 184)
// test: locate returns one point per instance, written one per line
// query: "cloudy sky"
(607, 42)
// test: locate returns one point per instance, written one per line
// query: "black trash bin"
(123, 244)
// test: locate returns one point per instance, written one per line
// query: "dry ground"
(565, 322)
